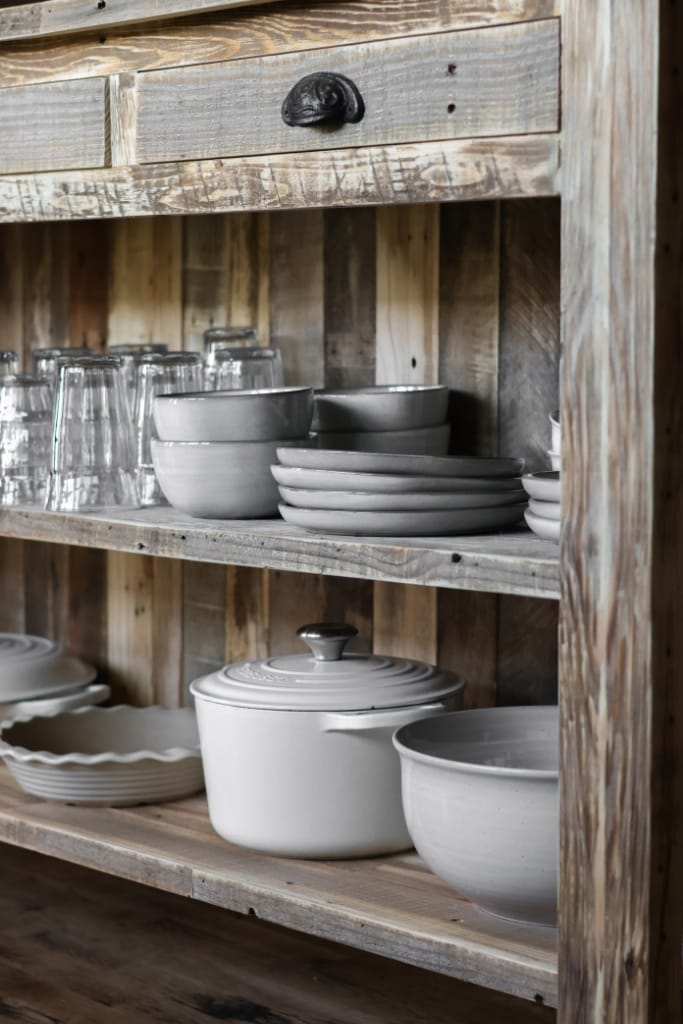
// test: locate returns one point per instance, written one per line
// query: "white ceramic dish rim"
(510, 467)
(379, 389)
(26, 756)
(452, 764)
(226, 444)
(437, 429)
(233, 393)
(535, 523)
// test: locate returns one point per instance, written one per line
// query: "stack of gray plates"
(38, 677)
(383, 494)
(543, 513)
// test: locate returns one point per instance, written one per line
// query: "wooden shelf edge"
(389, 906)
(514, 166)
(515, 563)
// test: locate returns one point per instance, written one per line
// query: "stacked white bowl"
(214, 449)
(407, 419)
(543, 513)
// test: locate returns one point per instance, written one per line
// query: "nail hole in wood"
(456, 558)
(101, 5)
(451, 69)
(451, 108)
(413, 362)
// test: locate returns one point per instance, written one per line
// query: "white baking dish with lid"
(297, 751)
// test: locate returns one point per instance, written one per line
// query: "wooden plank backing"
(621, 642)
(59, 126)
(252, 32)
(498, 81)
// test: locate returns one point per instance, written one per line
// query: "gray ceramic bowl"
(218, 479)
(480, 796)
(265, 414)
(417, 441)
(383, 407)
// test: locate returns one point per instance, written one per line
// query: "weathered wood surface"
(60, 126)
(46, 19)
(431, 172)
(294, 25)
(91, 959)
(621, 654)
(516, 562)
(392, 906)
(496, 81)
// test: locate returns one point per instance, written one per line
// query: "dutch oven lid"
(327, 678)
(33, 666)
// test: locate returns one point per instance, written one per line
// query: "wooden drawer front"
(59, 126)
(494, 81)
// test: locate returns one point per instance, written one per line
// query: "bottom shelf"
(83, 948)
(392, 906)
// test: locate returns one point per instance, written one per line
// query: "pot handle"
(388, 718)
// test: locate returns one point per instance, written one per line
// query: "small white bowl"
(542, 486)
(219, 479)
(555, 460)
(381, 407)
(480, 795)
(264, 414)
(555, 432)
(547, 529)
(420, 441)
(113, 757)
(545, 509)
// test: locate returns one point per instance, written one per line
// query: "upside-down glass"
(128, 356)
(25, 432)
(159, 375)
(92, 464)
(9, 361)
(248, 368)
(45, 361)
(216, 339)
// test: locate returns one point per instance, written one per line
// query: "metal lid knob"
(327, 640)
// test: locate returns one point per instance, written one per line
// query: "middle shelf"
(516, 562)
(391, 906)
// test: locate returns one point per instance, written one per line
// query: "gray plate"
(390, 483)
(403, 524)
(421, 501)
(384, 462)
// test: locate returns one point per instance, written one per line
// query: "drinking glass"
(128, 356)
(25, 432)
(216, 339)
(45, 361)
(167, 374)
(248, 368)
(9, 361)
(92, 464)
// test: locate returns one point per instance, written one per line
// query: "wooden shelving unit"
(386, 905)
(525, 207)
(516, 562)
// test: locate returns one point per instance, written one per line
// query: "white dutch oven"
(297, 750)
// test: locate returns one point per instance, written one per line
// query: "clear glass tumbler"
(25, 433)
(9, 362)
(248, 368)
(216, 339)
(46, 360)
(128, 356)
(159, 375)
(92, 464)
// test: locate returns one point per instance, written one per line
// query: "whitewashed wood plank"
(122, 119)
(43, 19)
(55, 126)
(431, 172)
(497, 81)
(516, 562)
(391, 906)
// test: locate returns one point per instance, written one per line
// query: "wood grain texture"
(392, 906)
(250, 33)
(96, 963)
(122, 104)
(41, 19)
(55, 126)
(516, 562)
(621, 655)
(432, 172)
(497, 81)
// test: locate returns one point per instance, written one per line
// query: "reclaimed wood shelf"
(387, 905)
(516, 562)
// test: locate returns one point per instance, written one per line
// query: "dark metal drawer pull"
(322, 98)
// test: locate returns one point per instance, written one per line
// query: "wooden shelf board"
(390, 906)
(513, 166)
(516, 562)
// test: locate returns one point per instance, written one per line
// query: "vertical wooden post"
(621, 641)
